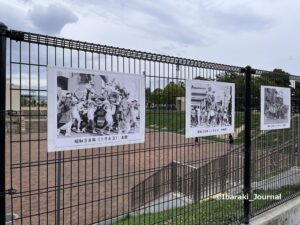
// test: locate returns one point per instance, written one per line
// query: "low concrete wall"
(166, 202)
(285, 214)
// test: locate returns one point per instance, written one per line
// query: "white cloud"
(263, 34)
(14, 15)
(51, 18)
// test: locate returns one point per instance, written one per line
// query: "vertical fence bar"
(174, 176)
(247, 158)
(58, 192)
(3, 29)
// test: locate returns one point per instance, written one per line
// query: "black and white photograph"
(275, 108)
(94, 109)
(209, 108)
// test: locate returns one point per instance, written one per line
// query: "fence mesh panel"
(169, 179)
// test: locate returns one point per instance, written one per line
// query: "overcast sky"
(262, 33)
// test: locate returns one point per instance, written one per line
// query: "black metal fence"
(169, 179)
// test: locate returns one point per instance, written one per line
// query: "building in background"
(13, 97)
(180, 104)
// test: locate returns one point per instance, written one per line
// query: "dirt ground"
(95, 183)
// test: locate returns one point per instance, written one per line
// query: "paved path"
(96, 182)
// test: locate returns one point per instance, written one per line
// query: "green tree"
(33, 103)
(239, 81)
(277, 78)
(24, 101)
(156, 96)
(200, 78)
(148, 96)
(173, 90)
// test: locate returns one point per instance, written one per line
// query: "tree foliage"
(168, 94)
(278, 78)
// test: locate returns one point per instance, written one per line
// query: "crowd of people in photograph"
(85, 111)
(210, 112)
(274, 104)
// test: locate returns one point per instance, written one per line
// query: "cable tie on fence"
(11, 112)
(10, 191)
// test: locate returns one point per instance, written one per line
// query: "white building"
(180, 103)
(13, 96)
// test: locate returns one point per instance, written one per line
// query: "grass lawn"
(174, 121)
(166, 120)
(212, 212)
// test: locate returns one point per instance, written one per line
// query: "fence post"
(298, 141)
(247, 159)
(3, 30)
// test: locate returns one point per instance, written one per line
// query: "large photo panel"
(88, 109)
(275, 108)
(210, 108)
